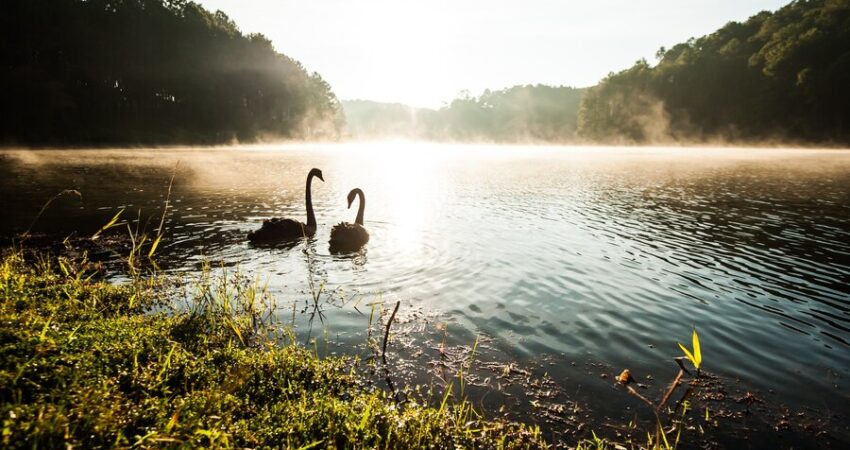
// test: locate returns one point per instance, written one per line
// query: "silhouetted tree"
(104, 72)
(783, 75)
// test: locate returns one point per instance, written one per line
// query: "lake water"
(577, 262)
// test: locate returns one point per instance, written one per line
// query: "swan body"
(349, 237)
(280, 229)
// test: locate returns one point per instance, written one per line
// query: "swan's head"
(315, 173)
(351, 196)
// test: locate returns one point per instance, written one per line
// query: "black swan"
(346, 237)
(279, 229)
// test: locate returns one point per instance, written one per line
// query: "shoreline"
(90, 363)
(87, 364)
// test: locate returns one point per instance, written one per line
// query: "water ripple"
(607, 255)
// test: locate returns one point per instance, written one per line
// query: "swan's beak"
(350, 201)
(319, 175)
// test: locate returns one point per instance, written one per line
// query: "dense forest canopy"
(149, 72)
(782, 75)
(526, 113)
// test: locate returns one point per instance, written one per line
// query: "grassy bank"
(88, 364)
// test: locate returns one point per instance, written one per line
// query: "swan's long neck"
(311, 217)
(361, 208)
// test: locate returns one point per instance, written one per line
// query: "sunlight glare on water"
(409, 179)
(580, 254)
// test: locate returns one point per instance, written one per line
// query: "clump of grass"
(87, 364)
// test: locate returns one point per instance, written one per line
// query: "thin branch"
(673, 386)
(384, 358)
(387, 333)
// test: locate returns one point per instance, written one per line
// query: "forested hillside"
(517, 114)
(782, 76)
(104, 72)
(524, 113)
(374, 120)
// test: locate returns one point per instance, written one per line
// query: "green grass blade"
(108, 225)
(688, 354)
(366, 413)
(697, 352)
(154, 246)
(445, 398)
(43, 334)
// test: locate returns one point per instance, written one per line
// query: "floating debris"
(625, 377)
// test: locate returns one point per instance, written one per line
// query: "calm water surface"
(605, 255)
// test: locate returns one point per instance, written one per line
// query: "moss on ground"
(87, 364)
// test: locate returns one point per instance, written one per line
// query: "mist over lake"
(575, 256)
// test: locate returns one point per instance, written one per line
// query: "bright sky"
(425, 52)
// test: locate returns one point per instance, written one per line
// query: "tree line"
(777, 76)
(780, 76)
(119, 72)
(523, 113)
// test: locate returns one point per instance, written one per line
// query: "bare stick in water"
(637, 394)
(673, 386)
(387, 333)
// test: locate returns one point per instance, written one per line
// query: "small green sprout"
(696, 356)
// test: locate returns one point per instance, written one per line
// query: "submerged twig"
(638, 395)
(387, 334)
(673, 386)
(384, 355)
(624, 379)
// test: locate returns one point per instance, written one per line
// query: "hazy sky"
(425, 52)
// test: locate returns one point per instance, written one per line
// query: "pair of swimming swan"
(344, 236)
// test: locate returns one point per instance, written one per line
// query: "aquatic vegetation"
(81, 365)
(660, 439)
(46, 205)
(696, 357)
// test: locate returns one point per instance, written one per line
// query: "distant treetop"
(522, 113)
(777, 76)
